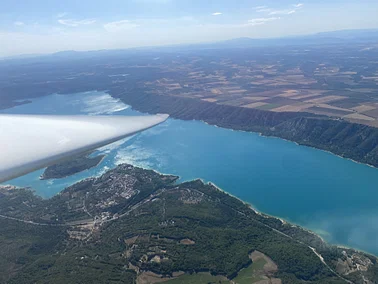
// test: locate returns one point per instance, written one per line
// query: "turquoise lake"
(334, 197)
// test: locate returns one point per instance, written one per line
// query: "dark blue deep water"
(334, 197)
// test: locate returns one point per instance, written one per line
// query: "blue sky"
(45, 26)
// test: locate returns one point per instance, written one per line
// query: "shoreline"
(214, 125)
(285, 222)
(265, 215)
(179, 179)
(260, 134)
(249, 204)
(268, 137)
(66, 176)
(287, 140)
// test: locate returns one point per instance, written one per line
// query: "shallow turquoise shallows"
(335, 197)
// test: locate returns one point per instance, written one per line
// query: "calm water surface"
(335, 197)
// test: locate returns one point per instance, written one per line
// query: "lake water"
(335, 197)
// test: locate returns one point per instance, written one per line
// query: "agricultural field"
(290, 80)
(199, 278)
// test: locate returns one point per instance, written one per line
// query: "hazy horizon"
(42, 27)
(27, 55)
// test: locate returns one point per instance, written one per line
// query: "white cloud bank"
(282, 12)
(270, 11)
(120, 26)
(262, 21)
(76, 23)
(61, 15)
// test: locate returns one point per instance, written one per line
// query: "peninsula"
(71, 167)
(133, 225)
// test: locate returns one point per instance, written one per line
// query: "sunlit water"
(333, 196)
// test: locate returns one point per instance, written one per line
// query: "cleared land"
(255, 105)
(260, 271)
(333, 86)
(199, 278)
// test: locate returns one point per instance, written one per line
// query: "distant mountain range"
(333, 37)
